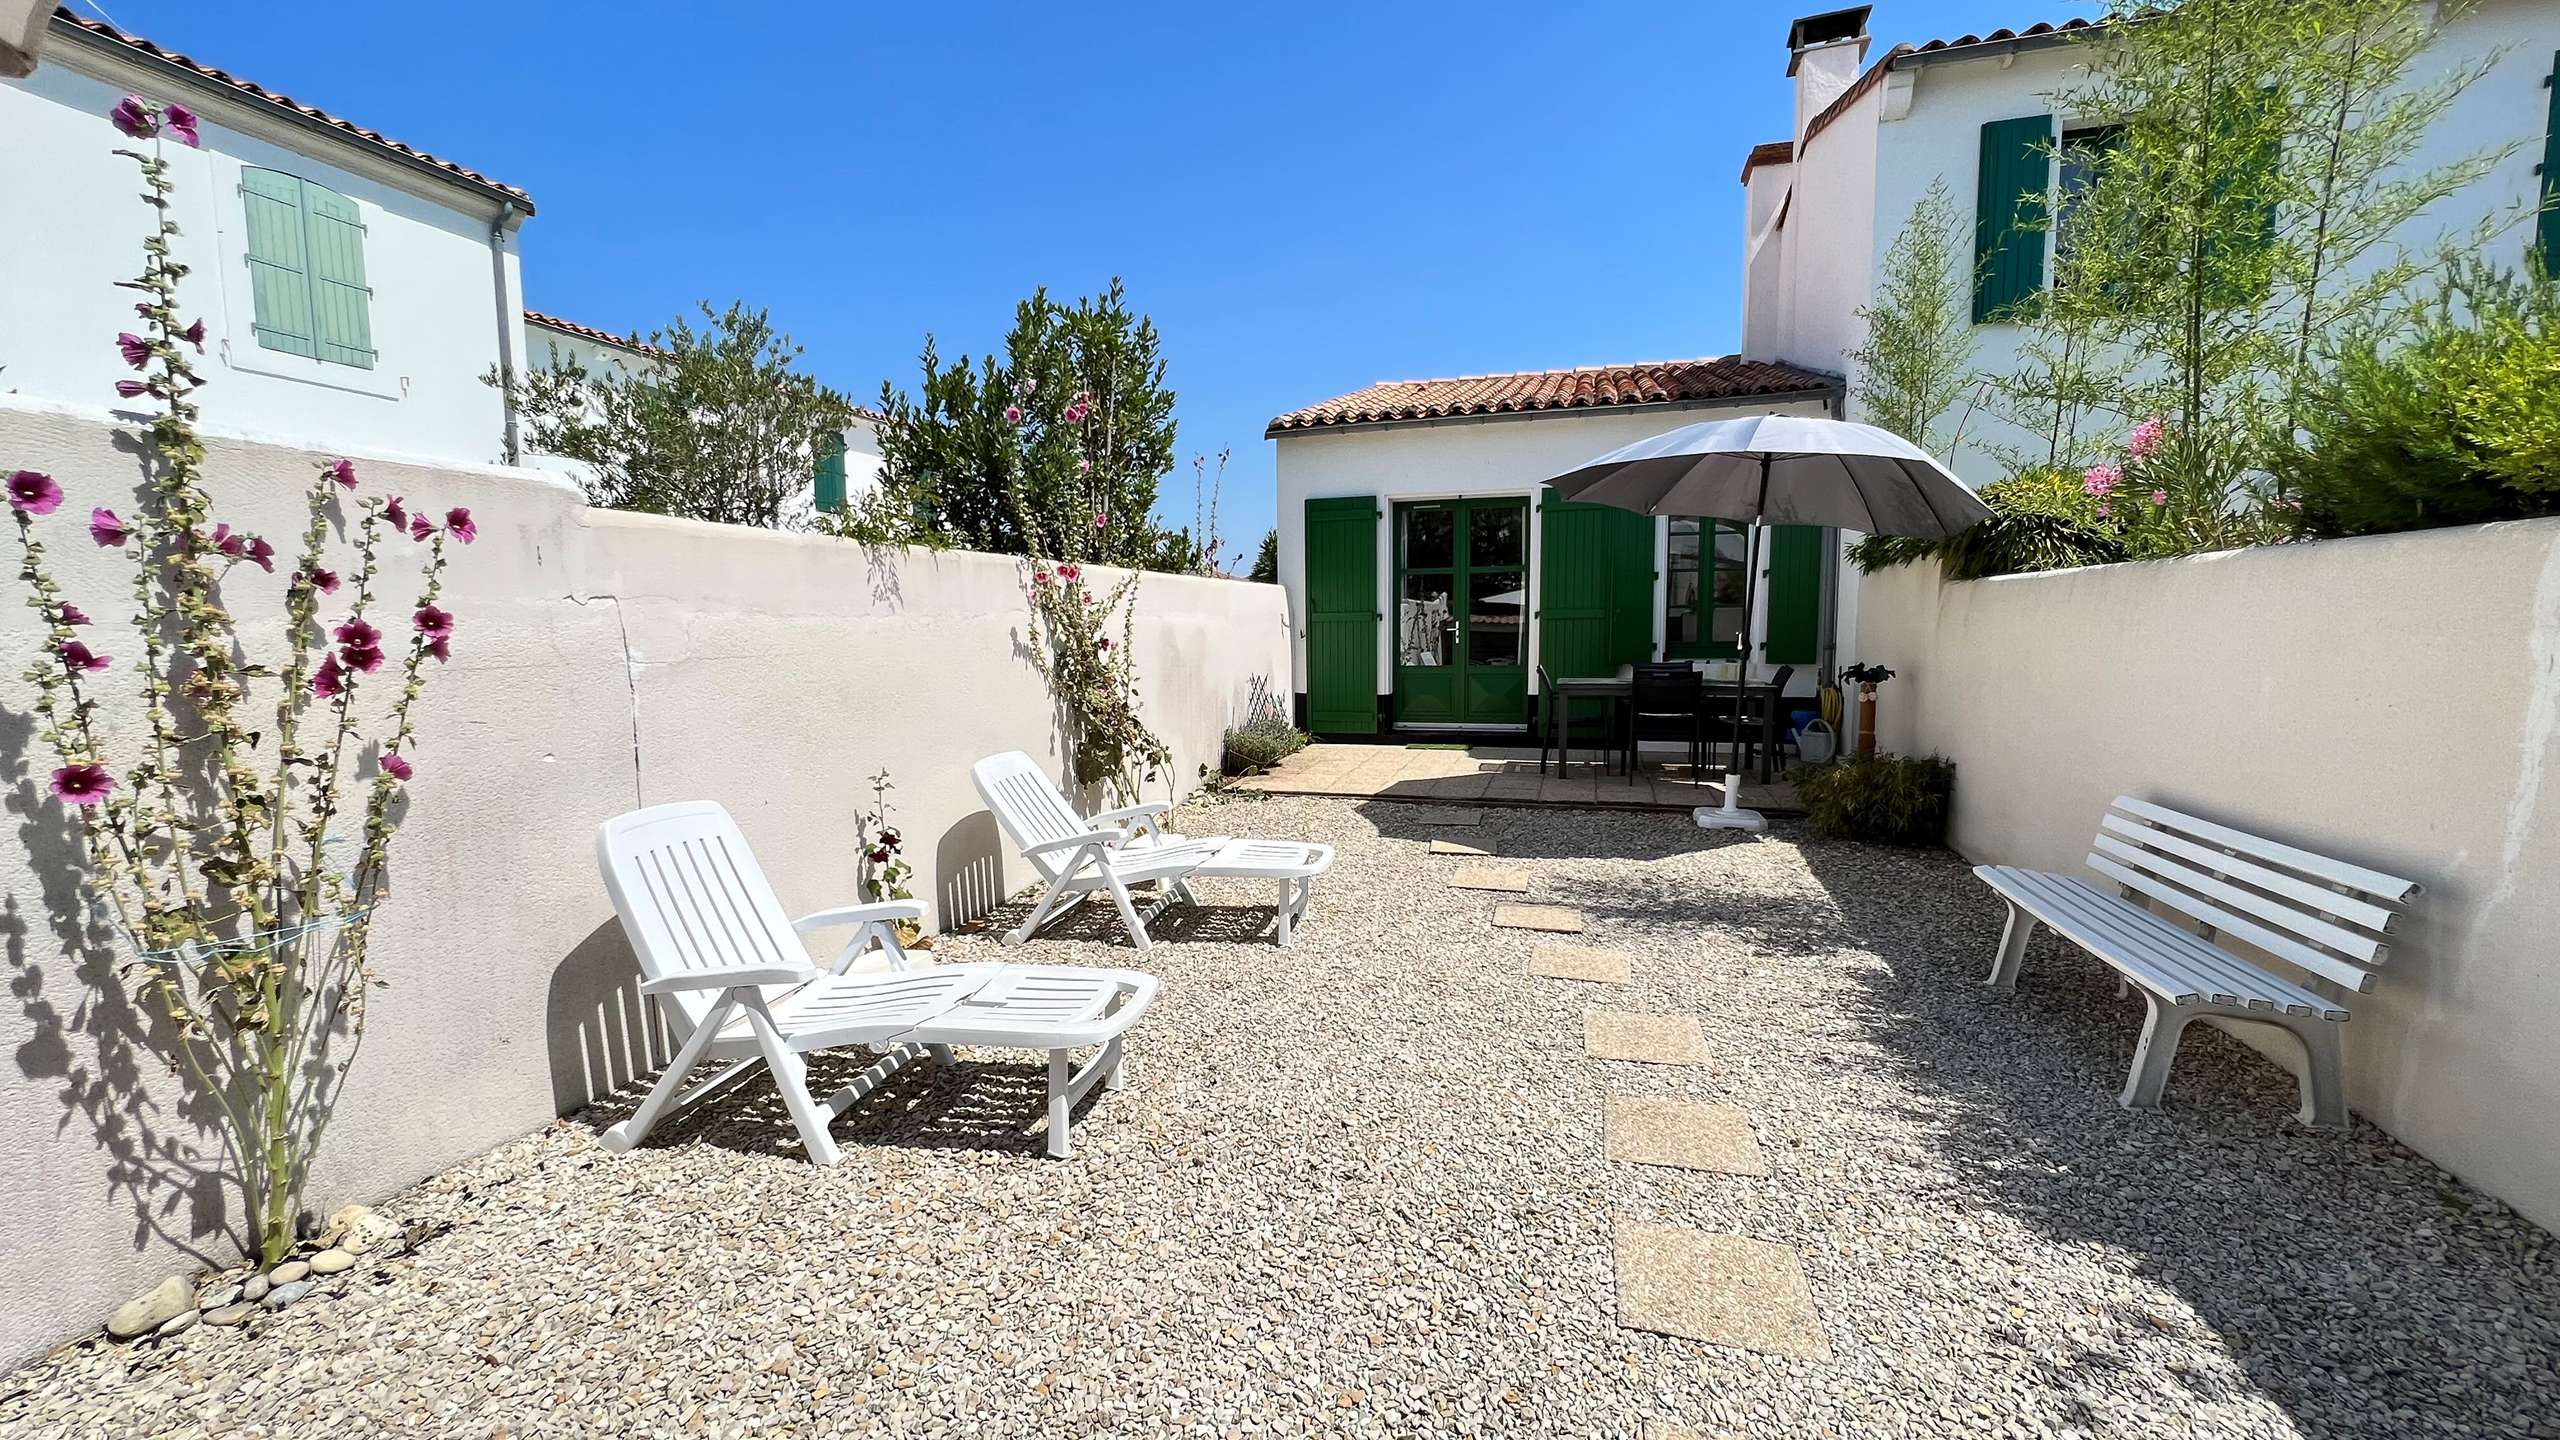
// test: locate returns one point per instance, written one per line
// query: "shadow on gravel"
(1556, 833)
(2360, 1287)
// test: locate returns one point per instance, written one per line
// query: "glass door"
(1461, 624)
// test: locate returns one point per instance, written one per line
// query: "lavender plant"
(213, 852)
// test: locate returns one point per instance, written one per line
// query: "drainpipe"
(508, 320)
(1829, 666)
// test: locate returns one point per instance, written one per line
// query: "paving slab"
(1722, 1289)
(1683, 1134)
(1452, 847)
(1491, 877)
(1553, 919)
(1582, 962)
(1645, 1039)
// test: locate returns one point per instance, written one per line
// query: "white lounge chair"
(1112, 851)
(738, 987)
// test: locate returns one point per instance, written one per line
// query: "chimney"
(1823, 54)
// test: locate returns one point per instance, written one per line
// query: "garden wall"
(603, 661)
(2392, 700)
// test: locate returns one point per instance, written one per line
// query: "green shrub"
(1891, 799)
(2040, 520)
(1262, 742)
(2445, 413)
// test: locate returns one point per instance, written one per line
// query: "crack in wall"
(630, 681)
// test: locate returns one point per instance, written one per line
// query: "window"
(830, 478)
(306, 269)
(2076, 167)
(1702, 591)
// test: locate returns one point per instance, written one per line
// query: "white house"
(354, 289)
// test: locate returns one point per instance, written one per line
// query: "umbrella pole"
(1731, 815)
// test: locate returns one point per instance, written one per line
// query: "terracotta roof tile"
(1768, 152)
(1840, 103)
(1656, 382)
(258, 94)
(589, 332)
(2040, 28)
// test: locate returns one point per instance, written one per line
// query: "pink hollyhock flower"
(1070, 573)
(324, 581)
(420, 527)
(397, 766)
(129, 389)
(457, 523)
(71, 614)
(1088, 597)
(32, 492)
(396, 513)
(82, 784)
(2159, 497)
(366, 659)
(2102, 479)
(441, 647)
(235, 546)
(261, 554)
(133, 116)
(106, 529)
(182, 124)
(194, 335)
(433, 622)
(1075, 413)
(328, 682)
(136, 350)
(142, 308)
(356, 634)
(77, 656)
(1013, 414)
(344, 473)
(1102, 644)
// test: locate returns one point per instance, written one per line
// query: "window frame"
(1673, 647)
(239, 346)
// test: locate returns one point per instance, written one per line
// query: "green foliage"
(720, 428)
(1093, 676)
(1054, 450)
(1262, 742)
(1889, 799)
(1266, 561)
(2445, 412)
(2042, 520)
(1917, 359)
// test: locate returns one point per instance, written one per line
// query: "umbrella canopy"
(1782, 470)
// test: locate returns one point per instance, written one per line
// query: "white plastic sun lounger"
(737, 986)
(1117, 849)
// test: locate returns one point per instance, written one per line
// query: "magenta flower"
(420, 527)
(82, 784)
(106, 529)
(1084, 467)
(137, 351)
(441, 647)
(2100, 480)
(1040, 577)
(194, 335)
(129, 389)
(433, 622)
(182, 124)
(1070, 573)
(1088, 597)
(367, 659)
(1102, 644)
(1100, 520)
(1013, 414)
(71, 614)
(397, 766)
(261, 554)
(2159, 497)
(79, 657)
(32, 492)
(396, 513)
(133, 116)
(2146, 438)
(235, 546)
(1074, 414)
(457, 523)
(324, 581)
(344, 473)
(356, 634)
(328, 682)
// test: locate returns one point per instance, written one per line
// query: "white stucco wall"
(603, 661)
(75, 228)
(1446, 459)
(2426, 745)
(1829, 221)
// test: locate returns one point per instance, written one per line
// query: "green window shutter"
(830, 480)
(2546, 232)
(2008, 237)
(1794, 636)
(279, 272)
(1340, 560)
(341, 303)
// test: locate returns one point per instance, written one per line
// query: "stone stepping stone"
(1452, 847)
(1722, 1289)
(1683, 1134)
(1665, 1430)
(1443, 815)
(1645, 1039)
(1581, 962)
(1553, 919)
(1491, 877)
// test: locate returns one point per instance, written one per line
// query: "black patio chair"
(1673, 691)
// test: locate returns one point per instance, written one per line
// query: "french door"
(1461, 618)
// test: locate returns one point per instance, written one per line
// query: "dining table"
(1555, 710)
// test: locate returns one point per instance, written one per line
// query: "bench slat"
(2390, 889)
(2353, 945)
(2351, 908)
(2177, 964)
(2285, 947)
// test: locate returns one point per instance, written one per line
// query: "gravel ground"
(1356, 1188)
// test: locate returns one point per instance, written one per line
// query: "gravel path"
(1357, 1188)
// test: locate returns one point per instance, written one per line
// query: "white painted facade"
(440, 256)
(1472, 458)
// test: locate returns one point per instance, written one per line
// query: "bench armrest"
(877, 913)
(729, 978)
(1148, 811)
(1098, 839)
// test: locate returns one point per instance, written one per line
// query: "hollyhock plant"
(397, 766)
(421, 528)
(219, 847)
(432, 622)
(457, 523)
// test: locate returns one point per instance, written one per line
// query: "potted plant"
(881, 870)
(1866, 677)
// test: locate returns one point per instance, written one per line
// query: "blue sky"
(1306, 198)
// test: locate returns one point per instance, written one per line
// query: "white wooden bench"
(2331, 919)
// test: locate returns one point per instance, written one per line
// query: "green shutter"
(279, 280)
(2547, 227)
(1340, 567)
(341, 303)
(1794, 595)
(1595, 589)
(830, 480)
(2008, 233)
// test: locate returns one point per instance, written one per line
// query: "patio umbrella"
(1777, 470)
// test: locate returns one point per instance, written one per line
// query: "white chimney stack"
(1823, 54)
